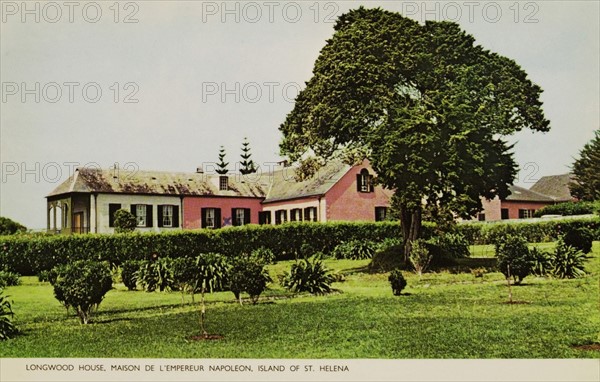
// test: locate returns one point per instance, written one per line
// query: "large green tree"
(586, 185)
(424, 103)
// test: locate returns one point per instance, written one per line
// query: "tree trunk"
(411, 228)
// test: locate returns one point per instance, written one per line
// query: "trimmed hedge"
(568, 209)
(28, 255)
(533, 232)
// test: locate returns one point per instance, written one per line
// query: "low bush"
(248, 273)
(397, 282)
(7, 327)
(542, 262)
(579, 238)
(129, 273)
(386, 260)
(124, 221)
(568, 262)
(514, 258)
(156, 274)
(566, 209)
(419, 256)
(308, 276)
(8, 278)
(355, 250)
(82, 286)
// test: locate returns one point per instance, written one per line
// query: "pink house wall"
(344, 202)
(492, 208)
(515, 206)
(192, 208)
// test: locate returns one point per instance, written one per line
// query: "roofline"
(153, 194)
(311, 196)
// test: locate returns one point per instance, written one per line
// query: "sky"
(160, 85)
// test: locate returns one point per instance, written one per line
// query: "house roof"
(524, 195)
(88, 180)
(555, 186)
(285, 187)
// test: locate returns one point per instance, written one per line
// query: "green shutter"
(160, 215)
(175, 216)
(217, 218)
(149, 220)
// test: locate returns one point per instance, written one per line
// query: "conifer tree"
(248, 166)
(222, 165)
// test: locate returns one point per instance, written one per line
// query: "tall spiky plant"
(222, 165)
(248, 166)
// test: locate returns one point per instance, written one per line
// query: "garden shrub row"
(29, 255)
(568, 209)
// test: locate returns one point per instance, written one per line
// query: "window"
(364, 181)
(168, 216)
(481, 217)
(504, 213)
(112, 209)
(143, 214)
(264, 217)
(240, 216)
(296, 215)
(310, 214)
(280, 216)
(223, 183)
(211, 217)
(526, 213)
(380, 213)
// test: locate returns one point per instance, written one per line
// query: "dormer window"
(223, 183)
(364, 181)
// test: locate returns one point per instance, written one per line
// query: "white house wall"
(103, 200)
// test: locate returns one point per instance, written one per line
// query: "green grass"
(443, 315)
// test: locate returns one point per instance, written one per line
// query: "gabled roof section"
(524, 195)
(555, 186)
(285, 187)
(89, 180)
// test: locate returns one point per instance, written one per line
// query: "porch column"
(48, 206)
(54, 218)
(93, 213)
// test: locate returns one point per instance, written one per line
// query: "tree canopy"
(10, 227)
(586, 169)
(424, 103)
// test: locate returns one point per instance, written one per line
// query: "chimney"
(199, 170)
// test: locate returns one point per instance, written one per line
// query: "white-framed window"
(364, 181)
(167, 216)
(526, 213)
(223, 183)
(210, 218)
(239, 217)
(140, 215)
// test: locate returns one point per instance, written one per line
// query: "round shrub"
(82, 286)
(397, 281)
(579, 238)
(124, 221)
(514, 258)
(129, 273)
(247, 273)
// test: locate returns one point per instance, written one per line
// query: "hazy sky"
(197, 75)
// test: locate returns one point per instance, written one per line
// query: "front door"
(78, 222)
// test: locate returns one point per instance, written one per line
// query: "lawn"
(442, 315)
